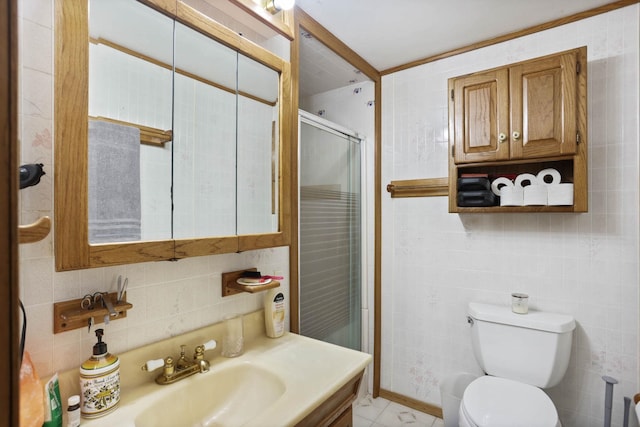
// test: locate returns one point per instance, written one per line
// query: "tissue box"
(476, 198)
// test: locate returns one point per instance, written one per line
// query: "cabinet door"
(481, 115)
(543, 107)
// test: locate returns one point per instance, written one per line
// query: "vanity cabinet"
(521, 118)
(336, 411)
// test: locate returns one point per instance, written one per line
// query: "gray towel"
(114, 182)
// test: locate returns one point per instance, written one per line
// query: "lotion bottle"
(274, 312)
(99, 381)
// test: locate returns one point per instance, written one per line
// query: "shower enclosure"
(330, 232)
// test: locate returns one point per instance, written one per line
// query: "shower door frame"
(336, 129)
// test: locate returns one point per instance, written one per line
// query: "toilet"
(521, 355)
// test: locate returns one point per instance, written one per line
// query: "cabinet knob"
(516, 135)
(502, 137)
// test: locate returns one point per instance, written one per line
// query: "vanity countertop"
(311, 371)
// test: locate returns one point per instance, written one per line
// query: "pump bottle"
(99, 381)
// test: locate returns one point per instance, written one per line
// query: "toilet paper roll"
(545, 174)
(499, 183)
(560, 194)
(535, 195)
(523, 178)
(511, 196)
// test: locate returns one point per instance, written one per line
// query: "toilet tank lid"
(541, 320)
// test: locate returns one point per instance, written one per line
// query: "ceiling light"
(275, 6)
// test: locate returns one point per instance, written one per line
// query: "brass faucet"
(183, 368)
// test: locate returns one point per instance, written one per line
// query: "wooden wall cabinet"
(520, 118)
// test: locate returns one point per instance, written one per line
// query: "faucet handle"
(199, 353)
(209, 345)
(152, 365)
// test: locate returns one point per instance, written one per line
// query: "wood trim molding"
(514, 35)
(430, 187)
(71, 55)
(294, 290)
(418, 405)
(377, 276)
(9, 336)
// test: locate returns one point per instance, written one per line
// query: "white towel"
(114, 182)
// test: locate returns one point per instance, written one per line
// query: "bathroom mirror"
(258, 114)
(210, 111)
(130, 84)
(204, 162)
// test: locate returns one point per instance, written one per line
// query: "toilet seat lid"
(491, 401)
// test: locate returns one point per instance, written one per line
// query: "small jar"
(520, 303)
(73, 411)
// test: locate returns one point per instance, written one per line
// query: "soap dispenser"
(99, 381)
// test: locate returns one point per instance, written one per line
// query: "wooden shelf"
(230, 286)
(34, 232)
(569, 168)
(504, 209)
(69, 315)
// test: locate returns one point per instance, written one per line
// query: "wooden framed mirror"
(211, 111)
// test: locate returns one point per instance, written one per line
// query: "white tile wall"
(168, 297)
(434, 262)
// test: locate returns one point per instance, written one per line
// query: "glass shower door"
(330, 234)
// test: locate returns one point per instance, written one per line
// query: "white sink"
(275, 382)
(228, 397)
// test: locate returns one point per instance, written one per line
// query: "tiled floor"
(369, 412)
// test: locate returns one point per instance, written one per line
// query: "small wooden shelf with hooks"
(69, 315)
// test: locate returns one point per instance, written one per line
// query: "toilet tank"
(533, 348)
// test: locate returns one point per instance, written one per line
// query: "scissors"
(90, 301)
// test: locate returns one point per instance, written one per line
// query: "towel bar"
(430, 187)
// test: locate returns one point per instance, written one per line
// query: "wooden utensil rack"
(69, 315)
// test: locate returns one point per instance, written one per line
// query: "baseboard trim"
(436, 411)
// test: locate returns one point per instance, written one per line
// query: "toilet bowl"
(499, 402)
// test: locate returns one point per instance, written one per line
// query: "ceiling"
(322, 70)
(393, 33)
